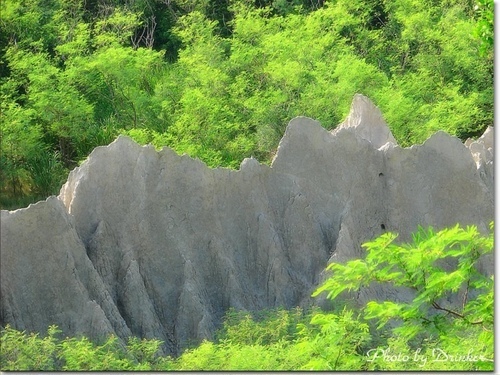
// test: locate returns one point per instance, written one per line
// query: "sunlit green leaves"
(351, 276)
(117, 28)
(440, 267)
(28, 352)
(20, 351)
(382, 311)
(484, 10)
(79, 72)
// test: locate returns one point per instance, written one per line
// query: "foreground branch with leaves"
(452, 304)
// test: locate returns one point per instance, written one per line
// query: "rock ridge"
(154, 244)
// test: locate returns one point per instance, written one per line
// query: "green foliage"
(20, 351)
(452, 301)
(221, 80)
(248, 342)
(484, 10)
(338, 344)
(262, 328)
(282, 340)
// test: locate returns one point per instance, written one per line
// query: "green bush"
(451, 312)
(20, 351)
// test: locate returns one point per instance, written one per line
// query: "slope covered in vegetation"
(220, 80)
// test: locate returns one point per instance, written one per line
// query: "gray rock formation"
(158, 245)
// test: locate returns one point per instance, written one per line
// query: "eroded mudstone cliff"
(154, 244)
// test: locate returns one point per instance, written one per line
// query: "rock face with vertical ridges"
(154, 244)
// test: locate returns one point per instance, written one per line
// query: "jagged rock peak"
(482, 148)
(367, 122)
(159, 245)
